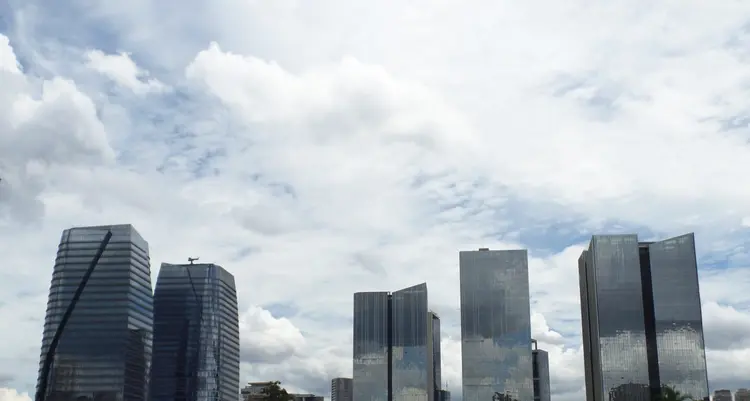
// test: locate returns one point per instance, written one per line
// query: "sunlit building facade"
(196, 335)
(393, 346)
(495, 325)
(641, 318)
(104, 354)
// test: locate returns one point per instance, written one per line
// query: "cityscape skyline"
(494, 293)
(317, 149)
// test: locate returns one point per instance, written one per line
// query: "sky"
(319, 148)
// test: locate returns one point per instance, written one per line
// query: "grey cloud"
(6, 379)
(253, 353)
(725, 327)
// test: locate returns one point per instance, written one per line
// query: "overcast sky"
(319, 148)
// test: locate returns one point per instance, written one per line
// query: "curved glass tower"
(196, 335)
(104, 354)
(495, 326)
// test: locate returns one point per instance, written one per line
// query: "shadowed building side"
(542, 391)
(104, 354)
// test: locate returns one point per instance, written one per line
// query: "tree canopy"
(669, 393)
(274, 392)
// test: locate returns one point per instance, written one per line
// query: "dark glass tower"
(495, 325)
(540, 363)
(393, 346)
(436, 357)
(104, 354)
(196, 335)
(641, 318)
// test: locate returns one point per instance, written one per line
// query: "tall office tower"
(722, 395)
(341, 389)
(393, 353)
(104, 353)
(196, 335)
(742, 394)
(436, 356)
(495, 325)
(641, 318)
(540, 364)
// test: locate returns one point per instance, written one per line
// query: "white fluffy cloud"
(316, 150)
(121, 69)
(9, 394)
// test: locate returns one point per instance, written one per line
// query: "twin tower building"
(397, 338)
(641, 320)
(124, 342)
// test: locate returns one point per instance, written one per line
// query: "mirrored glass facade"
(641, 318)
(677, 316)
(615, 346)
(371, 339)
(495, 325)
(394, 351)
(412, 352)
(196, 335)
(104, 354)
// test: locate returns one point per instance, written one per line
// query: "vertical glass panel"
(619, 318)
(370, 346)
(104, 353)
(495, 325)
(412, 358)
(677, 312)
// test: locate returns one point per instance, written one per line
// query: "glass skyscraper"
(641, 318)
(104, 353)
(196, 335)
(495, 325)
(393, 346)
(436, 357)
(540, 363)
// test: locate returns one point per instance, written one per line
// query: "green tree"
(274, 392)
(669, 393)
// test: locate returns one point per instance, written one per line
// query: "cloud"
(122, 69)
(266, 339)
(46, 125)
(725, 327)
(316, 150)
(9, 394)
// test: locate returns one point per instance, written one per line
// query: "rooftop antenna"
(191, 260)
